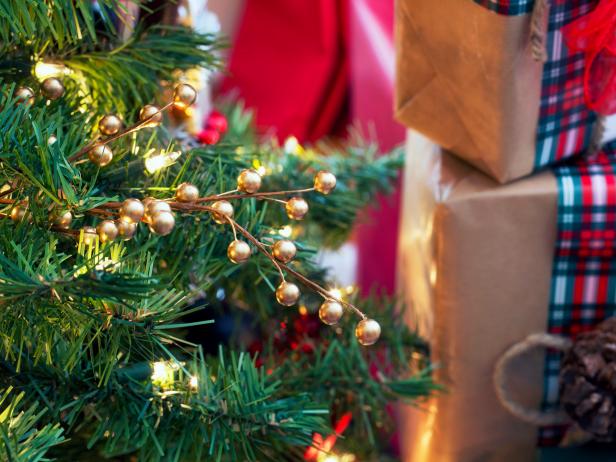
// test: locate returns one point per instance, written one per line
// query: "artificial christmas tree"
(121, 239)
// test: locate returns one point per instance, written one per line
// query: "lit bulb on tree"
(367, 332)
(238, 251)
(187, 192)
(296, 208)
(100, 155)
(110, 124)
(330, 312)
(249, 181)
(287, 293)
(222, 209)
(324, 182)
(52, 88)
(284, 250)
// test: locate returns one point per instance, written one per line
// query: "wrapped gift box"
(466, 77)
(484, 265)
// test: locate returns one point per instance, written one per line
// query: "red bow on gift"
(595, 35)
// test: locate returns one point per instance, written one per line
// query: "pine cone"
(588, 381)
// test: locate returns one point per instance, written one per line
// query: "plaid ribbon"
(583, 291)
(565, 124)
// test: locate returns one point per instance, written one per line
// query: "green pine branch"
(22, 437)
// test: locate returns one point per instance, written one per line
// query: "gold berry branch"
(120, 219)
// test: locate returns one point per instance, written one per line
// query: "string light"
(43, 70)
(159, 161)
(163, 373)
(194, 382)
(286, 231)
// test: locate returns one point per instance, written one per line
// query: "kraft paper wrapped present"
(483, 266)
(467, 77)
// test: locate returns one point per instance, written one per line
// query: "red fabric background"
(289, 61)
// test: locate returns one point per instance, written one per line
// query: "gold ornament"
(61, 219)
(184, 95)
(287, 293)
(249, 181)
(367, 331)
(18, 213)
(155, 206)
(152, 114)
(110, 124)
(89, 235)
(107, 231)
(132, 210)
(52, 88)
(25, 95)
(187, 192)
(100, 154)
(296, 208)
(126, 228)
(162, 223)
(238, 251)
(223, 209)
(284, 250)
(330, 312)
(324, 182)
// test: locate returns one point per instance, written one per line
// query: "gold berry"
(52, 88)
(162, 223)
(184, 95)
(132, 210)
(107, 230)
(100, 154)
(187, 192)
(152, 114)
(367, 331)
(18, 213)
(126, 228)
(287, 293)
(296, 208)
(249, 181)
(238, 251)
(324, 182)
(223, 209)
(61, 219)
(155, 206)
(25, 95)
(284, 250)
(330, 312)
(110, 124)
(89, 235)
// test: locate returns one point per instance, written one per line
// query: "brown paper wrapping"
(466, 79)
(475, 268)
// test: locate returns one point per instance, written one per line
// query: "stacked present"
(509, 227)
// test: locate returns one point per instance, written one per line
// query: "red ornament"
(217, 121)
(208, 136)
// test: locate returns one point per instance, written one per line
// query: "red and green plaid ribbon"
(565, 123)
(583, 289)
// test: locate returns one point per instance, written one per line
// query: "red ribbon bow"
(595, 35)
